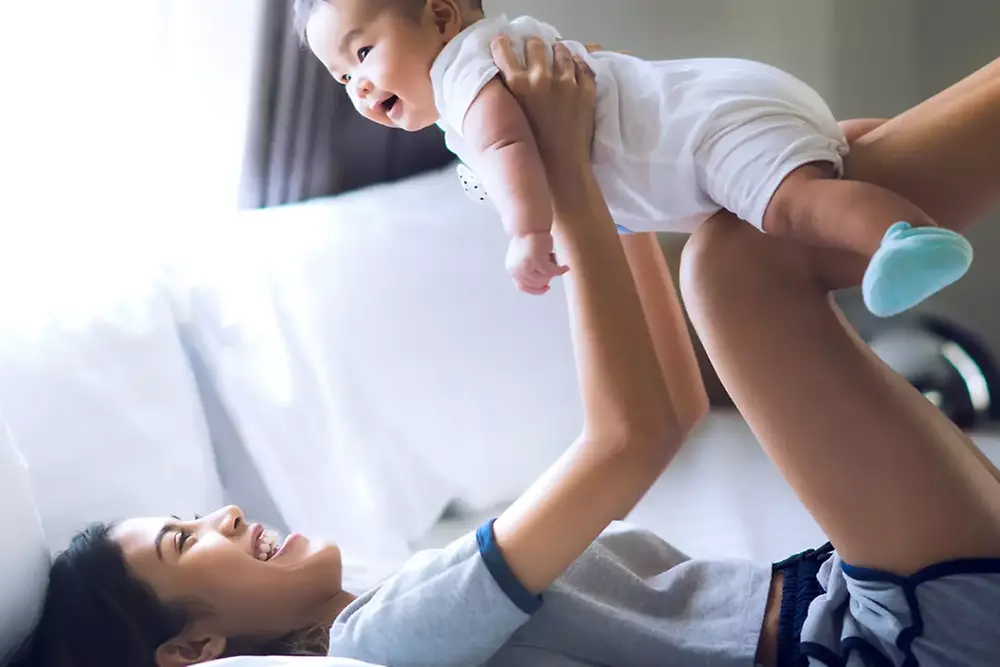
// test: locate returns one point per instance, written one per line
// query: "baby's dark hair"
(303, 9)
(97, 612)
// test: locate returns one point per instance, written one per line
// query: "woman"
(814, 396)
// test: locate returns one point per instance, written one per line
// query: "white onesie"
(675, 141)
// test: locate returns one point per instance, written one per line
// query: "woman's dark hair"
(98, 613)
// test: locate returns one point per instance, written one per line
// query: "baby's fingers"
(556, 268)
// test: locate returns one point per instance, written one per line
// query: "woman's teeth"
(267, 546)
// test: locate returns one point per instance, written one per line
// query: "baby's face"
(383, 57)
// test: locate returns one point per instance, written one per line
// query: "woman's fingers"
(505, 57)
(536, 54)
(586, 81)
(593, 48)
(583, 72)
(564, 68)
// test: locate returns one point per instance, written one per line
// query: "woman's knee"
(714, 256)
(725, 256)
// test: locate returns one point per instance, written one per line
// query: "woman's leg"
(892, 482)
(668, 328)
(943, 155)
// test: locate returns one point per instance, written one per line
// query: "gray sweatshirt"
(630, 599)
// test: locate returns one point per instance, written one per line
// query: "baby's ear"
(447, 16)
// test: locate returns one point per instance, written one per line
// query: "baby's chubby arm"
(508, 161)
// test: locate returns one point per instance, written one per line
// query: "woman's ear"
(447, 16)
(190, 648)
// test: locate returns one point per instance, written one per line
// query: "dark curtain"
(305, 140)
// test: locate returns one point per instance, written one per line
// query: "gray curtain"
(305, 140)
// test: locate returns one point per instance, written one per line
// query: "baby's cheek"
(358, 106)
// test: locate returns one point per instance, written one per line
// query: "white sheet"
(24, 560)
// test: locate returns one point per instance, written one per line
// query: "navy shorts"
(838, 615)
(799, 588)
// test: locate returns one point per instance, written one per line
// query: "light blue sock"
(912, 264)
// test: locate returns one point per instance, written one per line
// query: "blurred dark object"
(947, 364)
(305, 139)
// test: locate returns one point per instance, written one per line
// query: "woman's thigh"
(893, 483)
(943, 154)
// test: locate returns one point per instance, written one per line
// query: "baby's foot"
(912, 264)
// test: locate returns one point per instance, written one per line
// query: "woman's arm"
(668, 327)
(664, 315)
(630, 430)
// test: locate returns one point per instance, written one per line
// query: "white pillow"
(95, 384)
(24, 560)
(378, 362)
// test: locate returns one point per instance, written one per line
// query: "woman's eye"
(182, 539)
(363, 53)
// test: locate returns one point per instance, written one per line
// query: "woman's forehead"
(139, 537)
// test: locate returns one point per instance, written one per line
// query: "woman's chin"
(323, 558)
(297, 548)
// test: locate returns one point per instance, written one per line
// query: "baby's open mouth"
(389, 104)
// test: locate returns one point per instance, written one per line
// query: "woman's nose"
(231, 521)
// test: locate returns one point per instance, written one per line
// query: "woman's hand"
(558, 96)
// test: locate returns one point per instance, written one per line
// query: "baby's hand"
(532, 264)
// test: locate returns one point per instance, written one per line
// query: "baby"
(674, 141)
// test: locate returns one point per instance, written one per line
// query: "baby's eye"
(346, 79)
(363, 53)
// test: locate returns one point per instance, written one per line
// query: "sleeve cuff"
(495, 562)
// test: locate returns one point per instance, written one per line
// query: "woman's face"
(214, 563)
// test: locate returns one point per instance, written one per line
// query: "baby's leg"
(813, 206)
(911, 257)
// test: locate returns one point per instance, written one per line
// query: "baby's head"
(383, 50)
